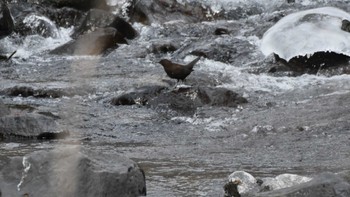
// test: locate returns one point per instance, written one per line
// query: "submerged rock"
(309, 39)
(72, 171)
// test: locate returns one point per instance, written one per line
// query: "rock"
(29, 125)
(34, 24)
(345, 25)
(96, 18)
(6, 21)
(231, 189)
(72, 171)
(53, 135)
(323, 185)
(4, 110)
(93, 43)
(309, 39)
(221, 31)
(140, 96)
(124, 28)
(185, 100)
(25, 91)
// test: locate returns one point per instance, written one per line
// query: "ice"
(250, 185)
(307, 32)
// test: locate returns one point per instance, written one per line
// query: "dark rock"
(323, 185)
(124, 28)
(96, 18)
(186, 100)
(28, 125)
(221, 31)
(163, 48)
(25, 91)
(140, 96)
(290, 1)
(93, 43)
(72, 171)
(53, 135)
(147, 12)
(4, 110)
(231, 189)
(315, 63)
(345, 25)
(6, 21)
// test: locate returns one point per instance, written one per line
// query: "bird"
(178, 71)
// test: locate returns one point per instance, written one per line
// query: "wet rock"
(231, 189)
(26, 91)
(96, 18)
(323, 185)
(35, 24)
(72, 171)
(221, 31)
(185, 100)
(93, 43)
(161, 11)
(140, 96)
(124, 28)
(4, 110)
(345, 25)
(314, 63)
(53, 135)
(28, 125)
(6, 21)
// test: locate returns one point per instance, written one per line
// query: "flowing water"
(297, 125)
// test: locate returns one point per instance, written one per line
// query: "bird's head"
(164, 62)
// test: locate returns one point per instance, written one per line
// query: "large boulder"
(72, 171)
(6, 21)
(93, 43)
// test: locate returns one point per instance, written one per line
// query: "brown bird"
(178, 71)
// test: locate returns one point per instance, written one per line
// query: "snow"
(306, 32)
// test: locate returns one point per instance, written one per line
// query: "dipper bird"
(178, 71)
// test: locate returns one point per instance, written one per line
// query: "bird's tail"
(191, 64)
